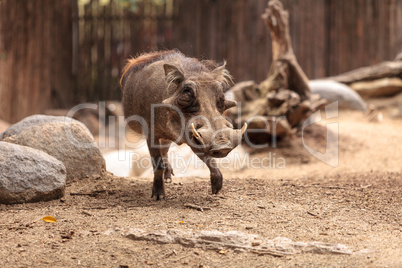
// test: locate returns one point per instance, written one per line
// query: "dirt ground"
(358, 204)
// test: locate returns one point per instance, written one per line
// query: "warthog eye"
(221, 104)
(188, 91)
(187, 101)
(225, 87)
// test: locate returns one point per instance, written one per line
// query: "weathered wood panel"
(35, 57)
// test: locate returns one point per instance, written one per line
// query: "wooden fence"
(329, 36)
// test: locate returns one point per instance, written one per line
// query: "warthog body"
(172, 98)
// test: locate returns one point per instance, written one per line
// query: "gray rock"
(89, 117)
(71, 143)
(29, 175)
(33, 120)
(334, 91)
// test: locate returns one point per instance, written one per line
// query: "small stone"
(256, 243)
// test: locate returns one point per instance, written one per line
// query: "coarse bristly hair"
(227, 78)
(190, 65)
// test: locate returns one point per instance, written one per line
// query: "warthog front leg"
(167, 168)
(162, 170)
(216, 175)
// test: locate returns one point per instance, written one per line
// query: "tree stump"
(280, 104)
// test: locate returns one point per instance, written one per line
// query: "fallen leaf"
(49, 219)
(222, 251)
(176, 221)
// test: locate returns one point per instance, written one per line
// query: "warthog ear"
(173, 74)
(220, 68)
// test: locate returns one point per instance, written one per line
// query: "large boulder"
(29, 175)
(33, 120)
(70, 142)
(89, 117)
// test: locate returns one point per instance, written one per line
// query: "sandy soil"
(358, 204)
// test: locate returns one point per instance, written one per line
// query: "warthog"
(172, 98)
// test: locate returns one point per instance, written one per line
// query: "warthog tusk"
(243, 129)
(195, 133)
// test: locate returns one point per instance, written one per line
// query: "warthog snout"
(221, 151)
(218, 143)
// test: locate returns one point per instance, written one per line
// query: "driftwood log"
(384, 69)
(379, 80)
(283, 101)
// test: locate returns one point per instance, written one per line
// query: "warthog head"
(199, 99)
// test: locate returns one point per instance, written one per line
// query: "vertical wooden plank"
(204, 30)
(160, 23)
(93, 36)
(319, 57)
(332, 29)
(87, 64)
(398, 26)
(264, 54)
(391, 24)
(100, 45)
(107, 45)
(213, 30)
